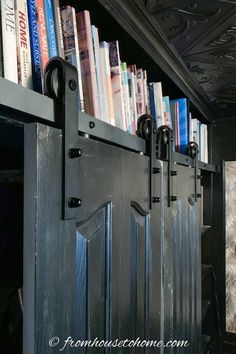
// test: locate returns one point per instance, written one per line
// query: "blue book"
(167, 111)
(51, 30)
(183, 123)
(96, 52)
(35, 46)
(152, 100)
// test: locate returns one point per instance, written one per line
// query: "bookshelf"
(110, 149)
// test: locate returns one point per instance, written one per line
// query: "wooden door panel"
(181, 265)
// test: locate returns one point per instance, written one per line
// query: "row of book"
(33, 31)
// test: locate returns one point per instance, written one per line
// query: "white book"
(202, 139)
(195, 134)
(23, 45)
(190, 127)
(9, 40)
(206, 143)
(106, 84)
(159, 104)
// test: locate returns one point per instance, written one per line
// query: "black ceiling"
(204, 34)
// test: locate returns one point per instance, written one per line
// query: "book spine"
(88, 70)
(51, 32)
(1, 46)
(97, 61)
(35, 47)
(206, 144)
(58, 27)
(152, 100)
(117, 89)
(168, 121)
(9, 40)
(159, 104)
(42, 33)
(126, 97)
(131, 99)
(177, 126)
(140, 92)
(145, 92)
(23, 45)
(135, 115)
(71, 46)
(107, 85)
(183, 125)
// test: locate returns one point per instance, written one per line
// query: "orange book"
(88, 70)
(42, 32)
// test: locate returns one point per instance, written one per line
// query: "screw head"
(74, 153)
(74, 202)
(156, 199)
(91, 125)
(73, 84)
(173, 198)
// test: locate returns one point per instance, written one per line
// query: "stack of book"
(33, 31)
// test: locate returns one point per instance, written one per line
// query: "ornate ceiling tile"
(204, 34)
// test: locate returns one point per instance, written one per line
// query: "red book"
(42, 32)
(88, 70)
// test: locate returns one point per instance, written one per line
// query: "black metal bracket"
(61, 84)
(146, 129)
(165, 144)
(193, 153)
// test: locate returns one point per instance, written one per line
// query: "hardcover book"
(140, 92)
(1, 46)
(183, 123)
(159, 104)
(9, 40)
(23, 45)
(174, 108)
(126, 97)
(97, 60)
(152, 98)
(90, 89)
(106, 83)
(58, 28)
(42, 33)
(145, 91)
(117, 89)
(167, 112)
(196, 133)
(51, 31)
(35, 47)
(132, 97)
(71, 45)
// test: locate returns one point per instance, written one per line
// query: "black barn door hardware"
(61, 84)
(193, 153)
(165, 141)
(146, 129)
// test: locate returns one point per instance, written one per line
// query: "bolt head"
(73, 84)
(156, 199)
(156, 170)
(91, 125)
(74, 153)
(74, 202)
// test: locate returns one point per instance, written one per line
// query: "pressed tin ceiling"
(204, 34)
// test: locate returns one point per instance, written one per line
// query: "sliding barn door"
(96, 277)
(182, 263)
